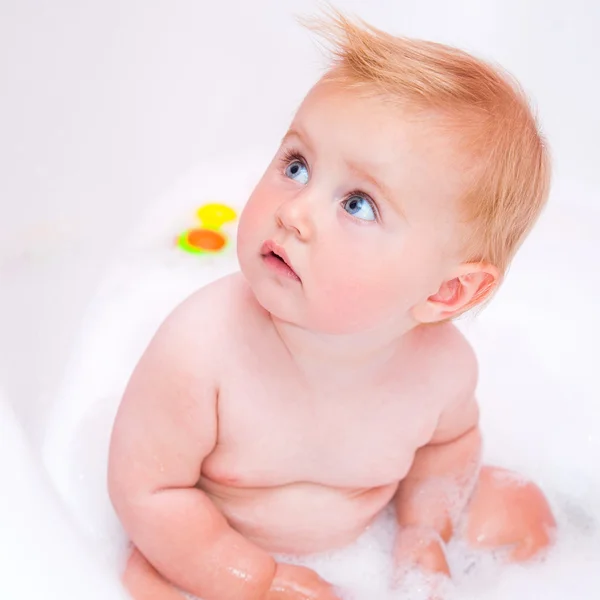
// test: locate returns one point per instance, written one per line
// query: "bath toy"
(207, 237)
(212, 216)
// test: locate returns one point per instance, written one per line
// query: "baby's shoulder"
(448, 345)
(213, 314)
(217, 298)
(449, 357)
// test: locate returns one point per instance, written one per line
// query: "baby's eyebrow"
(361, 172)
(296, 133)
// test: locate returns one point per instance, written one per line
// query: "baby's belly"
(300, 518)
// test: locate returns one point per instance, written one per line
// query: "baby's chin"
(312, 316)
(280, 305)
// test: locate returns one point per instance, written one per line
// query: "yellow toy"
(207, 237)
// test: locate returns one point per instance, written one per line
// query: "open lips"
(277, 259)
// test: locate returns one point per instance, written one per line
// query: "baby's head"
(409, 177)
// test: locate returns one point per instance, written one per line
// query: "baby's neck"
(332, 358)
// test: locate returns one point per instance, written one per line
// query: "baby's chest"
(276, 437)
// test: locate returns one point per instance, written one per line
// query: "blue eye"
(297, 171)
(359, 207)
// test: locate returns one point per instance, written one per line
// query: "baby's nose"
(294, 215)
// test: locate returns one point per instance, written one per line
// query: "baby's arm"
(165, 427)
(443, 475)
(441, 480)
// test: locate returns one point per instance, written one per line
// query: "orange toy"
(208, 237)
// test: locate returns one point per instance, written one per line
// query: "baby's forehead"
(372, 127)
(365, 109)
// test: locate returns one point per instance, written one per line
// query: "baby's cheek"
(252, 212)
(353, 295)
(252, 221)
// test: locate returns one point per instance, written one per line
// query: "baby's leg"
(507, 511)
(144, 582)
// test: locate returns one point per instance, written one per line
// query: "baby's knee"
(509, 511)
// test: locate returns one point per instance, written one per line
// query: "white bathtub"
(107, 108)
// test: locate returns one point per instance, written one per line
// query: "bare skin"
(236, 465)
(281, 410)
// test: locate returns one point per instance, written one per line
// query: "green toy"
(207, 238)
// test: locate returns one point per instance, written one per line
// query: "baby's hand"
(422, 549)
(299, 583)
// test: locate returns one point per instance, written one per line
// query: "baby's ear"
(470, 285)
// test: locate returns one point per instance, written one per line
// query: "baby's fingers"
(299, 583)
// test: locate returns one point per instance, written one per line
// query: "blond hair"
(481, 103)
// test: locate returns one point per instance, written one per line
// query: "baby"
(281, 409)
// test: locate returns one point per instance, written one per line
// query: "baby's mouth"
(276, 258)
